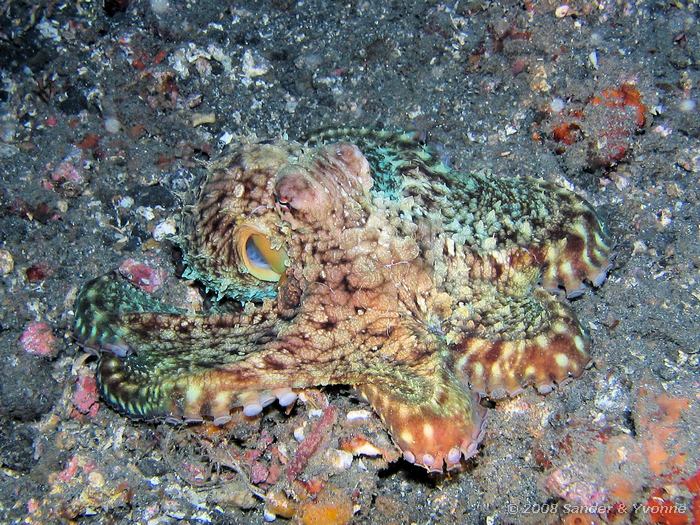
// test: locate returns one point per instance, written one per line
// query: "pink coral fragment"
(67, 171)
(38, 339)
(258, 473)
(70, 471)
(147, 278)
(313, 441)
(573, 487)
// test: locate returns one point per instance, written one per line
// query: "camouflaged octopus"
(360, 259)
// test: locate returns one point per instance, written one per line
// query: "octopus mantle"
(358, 258)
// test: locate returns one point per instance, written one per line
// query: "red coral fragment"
(567, 132)
(86, 396)
(604, 125)
(258, 473)
(67, 171)
(138, 64)
(41, 212)
(664, 511)
(70, 471)
(160, 56)
(38, 272)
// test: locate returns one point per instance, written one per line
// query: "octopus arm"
(524, 339)
(432, 417)
(99, 305)
(575, 246)
(158, 362)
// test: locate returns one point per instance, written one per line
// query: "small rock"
(96, 479)
(160, 7)
(164, 229)
(150, 467)
(67, 171)
(358, 415)
(145, 277)
(258, 473)
(27, 388)
(112, 125)
(7, 263)
(340, 459)
(254, 65)
(572, 484)
(331, 507)
(562, 11)
(16, 445)
(360, 446)
(38, 272)
(199, 119)
(556, 105)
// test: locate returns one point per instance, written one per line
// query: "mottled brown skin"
(420, 303)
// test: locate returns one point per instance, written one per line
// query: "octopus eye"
(258, 256)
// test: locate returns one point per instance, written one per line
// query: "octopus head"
(264, 207)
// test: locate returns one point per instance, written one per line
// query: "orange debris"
(567, 132)
(580, 518)
(664, 511)
(331, 507)
(625, 95)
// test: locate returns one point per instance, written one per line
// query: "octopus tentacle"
(99, 305)
(205, 390)
(152, 349)
(116, 316)
(579, 248)
(508, 332)
(142, 391)
(432, 418)
(550, 348)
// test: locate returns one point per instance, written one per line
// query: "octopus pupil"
(254, 255)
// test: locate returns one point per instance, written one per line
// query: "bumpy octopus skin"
(357, 259)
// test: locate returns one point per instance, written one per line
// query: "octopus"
(357, 258)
